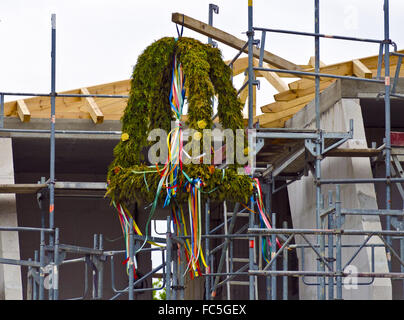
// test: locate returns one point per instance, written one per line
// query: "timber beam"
(230, 40)
(92, 107)
(23, 112)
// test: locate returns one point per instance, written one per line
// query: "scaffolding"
(312, 146)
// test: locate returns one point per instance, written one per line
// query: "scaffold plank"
(346, 152)
(22, 188)
(26, 188)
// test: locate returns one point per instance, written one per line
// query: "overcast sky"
(99, 41)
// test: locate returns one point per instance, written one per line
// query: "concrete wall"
(302, 204)
(10, 276)
(376, 134)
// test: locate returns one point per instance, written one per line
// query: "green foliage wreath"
(129, 176)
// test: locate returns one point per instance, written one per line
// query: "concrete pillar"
(10, 276)
(360, 196)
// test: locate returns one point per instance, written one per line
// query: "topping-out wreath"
(165, 72)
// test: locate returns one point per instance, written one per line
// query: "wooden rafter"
(230, 40)
(241, 64)
(266, 118)
(293, 94)
(312, 62)
(284, 105)
(76, 107)
(23, 111)
(244, 93)
(360, 70)
(279, 123)
(290, 99)
(273, 79)
(95, 112)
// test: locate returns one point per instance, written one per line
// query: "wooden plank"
(121, 87)
(280, 123)
(280, 106)
(371, 61)
(22, 188)
(305, 66)
(244, 93)
(23, 112)
(95, 112)
(290, 95)
(72, 115)
(112, 108)
(271, 117)
(360, 70)
(273, 79)
(312, 62)
(346, 152)
(239, 66)
(304, 84)
(341, 69)
(392, 72)
(229, 40)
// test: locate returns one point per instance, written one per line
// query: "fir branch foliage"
(149, 107)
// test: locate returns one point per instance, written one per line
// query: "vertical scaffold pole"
(1, 110)
(207, 247)
(52, 139)
(402, 258)
(268, 207)
(227, 249)
(55, 271)
(273, 252)
(338, 244)
(168, 259)
(250, 34)
(285, 268)
(182, 264)
(95, 270)
(52, 129)
(387, 121)
(330, 249)
(175, 266)
(212, 9)
(251, 251)
(100, 268)
(320, 239)
(35, 285)
(181, 272)
(130, 261)
(42, 266)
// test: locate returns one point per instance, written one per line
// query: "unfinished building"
(328, 153)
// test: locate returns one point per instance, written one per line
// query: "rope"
(182, 28)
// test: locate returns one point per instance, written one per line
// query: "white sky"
(99, 41)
